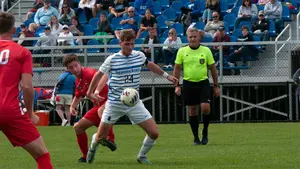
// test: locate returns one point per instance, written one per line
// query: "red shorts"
(92, 115)
(18, 129)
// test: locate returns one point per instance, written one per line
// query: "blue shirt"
(131, 26)
(68, 84)
(140, 6)
(43, 16)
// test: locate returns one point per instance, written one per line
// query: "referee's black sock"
(205, 124)
(194, 125)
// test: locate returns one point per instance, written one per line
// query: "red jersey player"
(91, 118)
(16, 67)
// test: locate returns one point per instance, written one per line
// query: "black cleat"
(197, 141)
(82, 160)
(204, 140)
(111, 145)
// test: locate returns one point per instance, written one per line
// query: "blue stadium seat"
(102, 11)
(144, 34)
(164, 3)
(18, 30)
(138, 41)
(272, 31)
(176, 5)
(184, 39)
(114, 41)
(286, 16)
(94, 23)
(256, 38)
(165, 34)
(206, 39)
(88, 30)
(224, 7)
(246, 23)
(235, 11)
(200, 25)
(39, 31)
(161, 22)
(237, 32)
(230, 19)
(115, 24)
(179, 28)
(157, 8)
(233, 38)
(227, 31)
(93, 42)
(260, 8)
(230, 3)
(28, 22)
(170, 14)
(82, 18)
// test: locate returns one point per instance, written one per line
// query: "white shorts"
(64, 99)
(113, 112)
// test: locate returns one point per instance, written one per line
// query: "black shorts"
(195, 93)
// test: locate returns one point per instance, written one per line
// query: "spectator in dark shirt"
(220, 37)
(211, 6)
(24, 34)
(261, 27)
(104, 5)
(119, 8)
(148, 22)
(149, 40)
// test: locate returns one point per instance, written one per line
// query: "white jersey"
(124, 72)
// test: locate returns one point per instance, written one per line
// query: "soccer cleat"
(82, 160)
(204, 140)
(197, 141)
(64, 122)
(107, 143)
(92, 150)
(143, 160)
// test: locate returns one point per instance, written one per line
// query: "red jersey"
(83, 83)
(14, 61)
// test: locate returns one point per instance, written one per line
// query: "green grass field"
(238, 146)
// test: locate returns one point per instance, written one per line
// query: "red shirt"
(14, 61)
(83, 83)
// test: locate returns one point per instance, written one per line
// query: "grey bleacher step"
(23, 10)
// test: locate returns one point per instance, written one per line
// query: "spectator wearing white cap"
(66, 33)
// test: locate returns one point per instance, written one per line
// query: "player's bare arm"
(93, 85)
(214, 74)
(156, 69)
(74, 104)
(100, 86)
(176, 74)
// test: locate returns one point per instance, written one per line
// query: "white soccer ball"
(130, 97)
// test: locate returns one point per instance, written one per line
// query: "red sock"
(111, 135)
(44, 161)
(82, 140)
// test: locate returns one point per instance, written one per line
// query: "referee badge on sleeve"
(201, 61)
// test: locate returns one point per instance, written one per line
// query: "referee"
(196, 60)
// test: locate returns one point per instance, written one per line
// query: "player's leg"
(68, 102)
(37, 149)
(21, 132)
(60, 112)
(205, 109)
(191, 100)
(82, 138)
(111, 135)
(140, 115)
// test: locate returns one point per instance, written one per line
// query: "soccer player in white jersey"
(124, 69)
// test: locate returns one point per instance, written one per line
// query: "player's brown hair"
(7, 22)
(127, 35)
(70, 58)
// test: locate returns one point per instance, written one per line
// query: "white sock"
(146, 147)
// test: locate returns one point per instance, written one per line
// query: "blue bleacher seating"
(82, 18)
(28, 22)
(227, 31)
(164, 3)
(165, 34)
(233, 38)
(102, 11)
(88, 30)
(179, 29)
(157, 8)
(184, 39)
(286, 16)
(200, 25)
(176, 5)
(115, 23)
(224, 6)
(144, 34)
(272, 31)
(237, 32)
(246, 23)
(170, 14)
(162, 39)
(161, 22)
(206, 39)
(114, 41)
(230, 19)
(94, 23)
(138, 41)
(93, 42)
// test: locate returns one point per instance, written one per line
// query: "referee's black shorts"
(195, 93)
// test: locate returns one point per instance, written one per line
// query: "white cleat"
(92, 150)
(64, 122)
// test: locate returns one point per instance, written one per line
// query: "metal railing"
(2, 5)
(14, 5)
(277, 50)
(298, 25)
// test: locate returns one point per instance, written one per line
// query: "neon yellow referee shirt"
(195, 62)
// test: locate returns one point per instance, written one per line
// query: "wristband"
(96, 92)
(165, 75)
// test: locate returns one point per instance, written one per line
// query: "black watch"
(216, 85)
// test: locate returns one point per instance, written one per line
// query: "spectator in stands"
(211, 6)
(64, 97)
(119, 8)
(152, 39)
(55, 26)
(194, 7)
(104, 5)
(273, 11)
(66, 14)
(221, 37)
(236, 4)
(71, 3)
(46, 40)
(148, 22)
(65, 42)
(77, 30)
(129, 21)
(261, 27)
(244, 50)
(263, 2)
(43, 16)
(296, 78)
(103, 27)
(212, 26)
(86, 6)
(25, 33)
(36, 5)
(141, 6)
(247, 12)
(169, 52)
